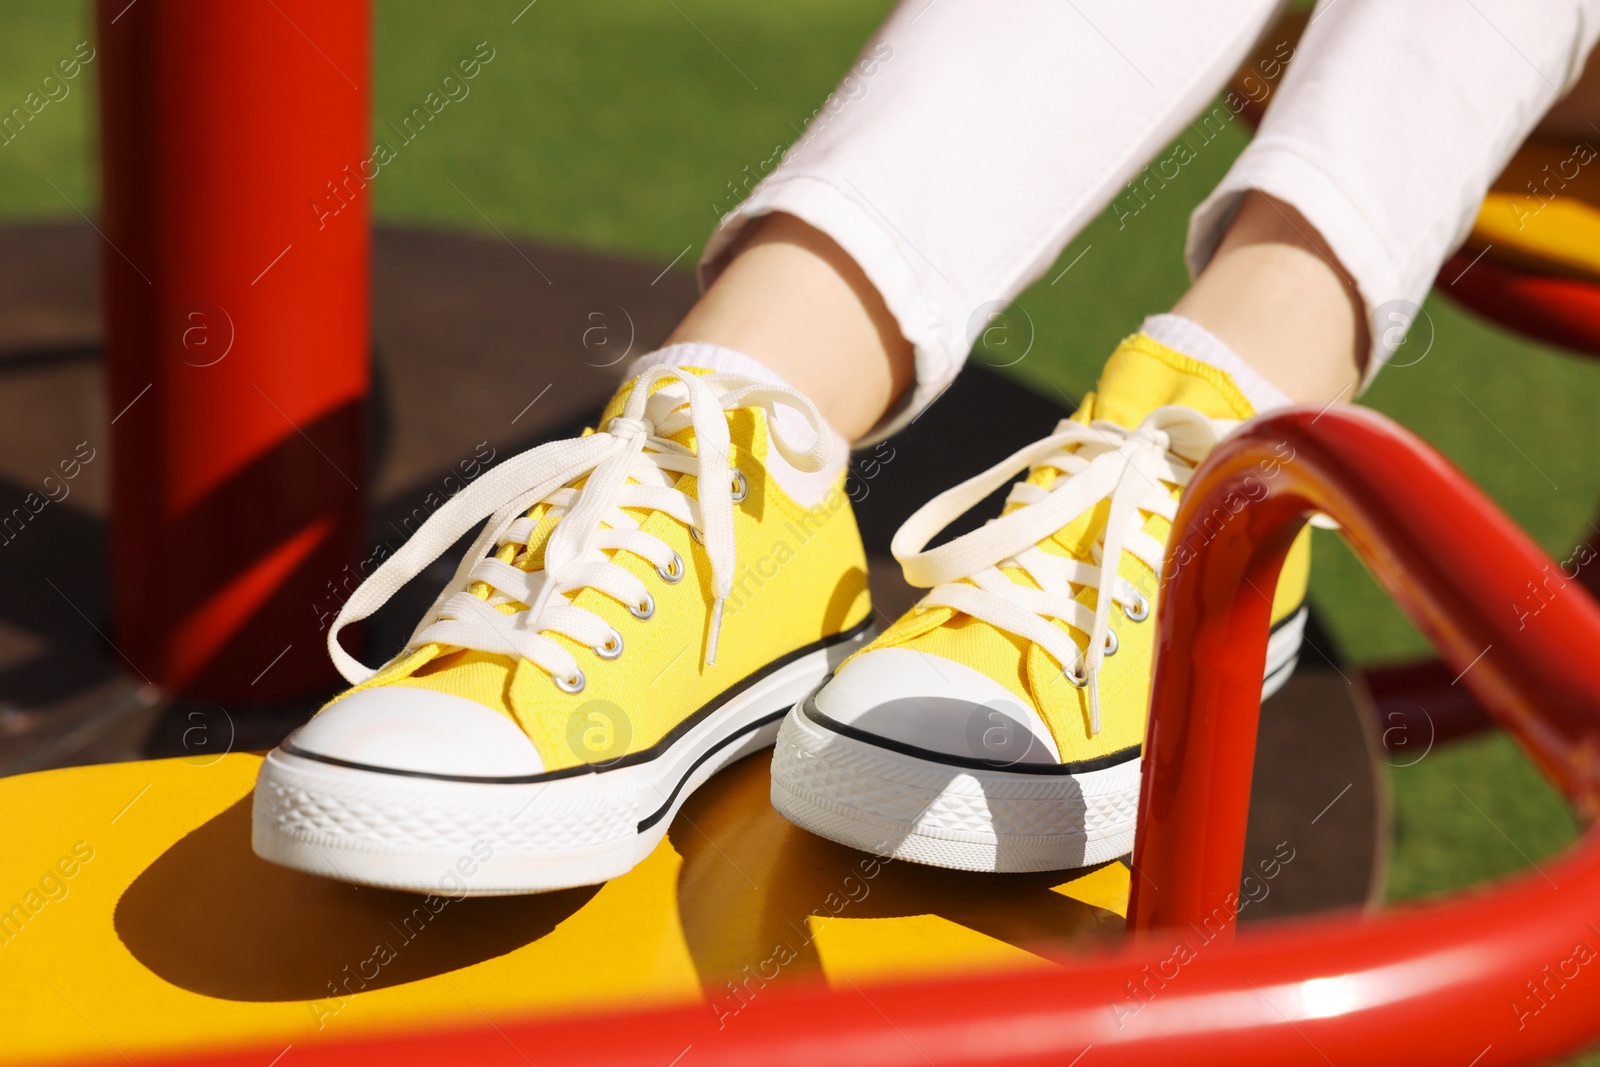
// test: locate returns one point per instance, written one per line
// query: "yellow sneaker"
(641, 608)
(997, 725)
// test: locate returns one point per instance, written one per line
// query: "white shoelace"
(629, 463)
(1132, 468)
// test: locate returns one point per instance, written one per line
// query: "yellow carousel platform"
(136, 921)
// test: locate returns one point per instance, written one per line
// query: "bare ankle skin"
(792, 299)
(1276, 295)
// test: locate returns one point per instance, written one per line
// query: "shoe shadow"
(750, 880)
(212, 917)
(850, 590)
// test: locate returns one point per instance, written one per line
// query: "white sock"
(1195, 341)
(807, 488)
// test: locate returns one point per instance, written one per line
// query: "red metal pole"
(236, 331)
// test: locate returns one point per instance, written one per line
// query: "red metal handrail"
(1455, 564)
(1488, 977)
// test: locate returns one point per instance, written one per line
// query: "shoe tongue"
(619, 400)
(486, 673)
(1143, 375)
(614, 408)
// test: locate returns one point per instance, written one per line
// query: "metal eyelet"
(573, 684)
(1079, 678)
(645, 610)
(672, 573)
(1140, 611)
(612, 648)
(741, 489)
(1112, 643)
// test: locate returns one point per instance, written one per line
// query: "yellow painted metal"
(134, 919)
(1543, 213)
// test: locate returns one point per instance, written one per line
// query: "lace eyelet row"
(672, 573)
(1080, 677)
(741, 489)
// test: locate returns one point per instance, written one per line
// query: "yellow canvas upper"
(1141, 376)
(800, 578)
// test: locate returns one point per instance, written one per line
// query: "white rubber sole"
(966, 816)
(486, 837)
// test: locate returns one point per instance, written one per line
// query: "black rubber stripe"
(808, 708)
(705, 710)
(632, 759)
(750, 728)
(525, 779)
(1294, 612)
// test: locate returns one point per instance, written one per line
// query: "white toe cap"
(938, 705)
(400, 728)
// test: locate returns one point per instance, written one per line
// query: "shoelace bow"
(1099, 461)
(630, 463)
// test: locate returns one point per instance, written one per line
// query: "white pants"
(972, 140)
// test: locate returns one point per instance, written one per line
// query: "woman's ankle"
(792, 299)
(1276, 295)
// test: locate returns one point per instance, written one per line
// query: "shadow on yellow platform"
(297, 930)
(134, 918)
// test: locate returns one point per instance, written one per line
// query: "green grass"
(1472, 812)
(613, 126)
(55, 145)
(616, 127)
